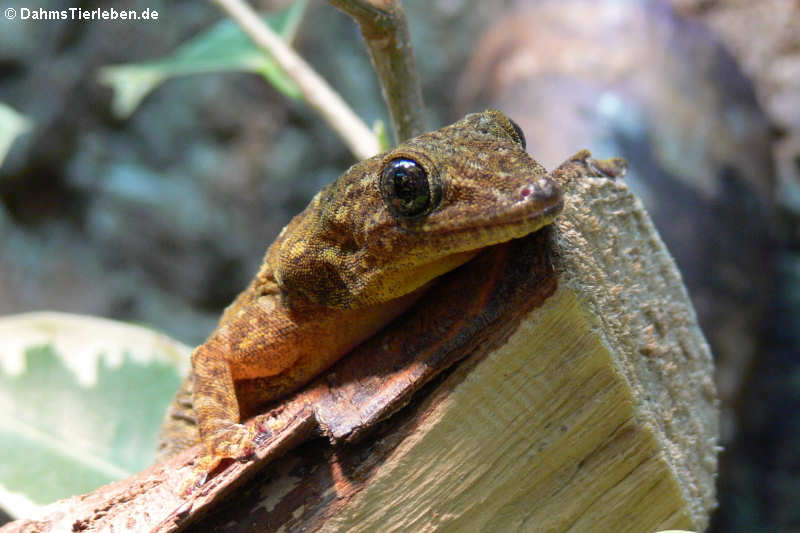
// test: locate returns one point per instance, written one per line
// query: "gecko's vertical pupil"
(407, 189)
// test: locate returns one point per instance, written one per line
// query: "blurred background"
(160, 217)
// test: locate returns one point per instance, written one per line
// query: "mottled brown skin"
(348, 265)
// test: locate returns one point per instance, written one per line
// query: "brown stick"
(385, 29)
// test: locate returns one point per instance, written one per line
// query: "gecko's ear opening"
(519, 133)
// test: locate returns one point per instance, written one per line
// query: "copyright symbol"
(11, 13)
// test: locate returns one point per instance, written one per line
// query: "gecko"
(363, 252)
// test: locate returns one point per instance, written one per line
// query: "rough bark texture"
(598, 413)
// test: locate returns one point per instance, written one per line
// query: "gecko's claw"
(613, 167)
(197, 477)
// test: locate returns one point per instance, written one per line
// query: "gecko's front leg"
(258, 339)
(217, 407)
(262, 350)
(217, 410)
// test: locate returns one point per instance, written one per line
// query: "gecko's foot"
(235, 441)
(613, 167)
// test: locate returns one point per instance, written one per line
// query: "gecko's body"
(361, 253)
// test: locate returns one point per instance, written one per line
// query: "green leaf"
(379, 129)
(12, 125)
(81, 403)
(222, 48)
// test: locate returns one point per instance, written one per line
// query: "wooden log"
(597, 413)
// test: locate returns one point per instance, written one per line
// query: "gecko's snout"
(542, 190)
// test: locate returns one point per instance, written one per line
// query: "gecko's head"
(394, 222)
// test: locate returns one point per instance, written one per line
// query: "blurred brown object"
(770, 56)
(636, 79)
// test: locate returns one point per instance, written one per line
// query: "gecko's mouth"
(545, 208)
(516, 225)
(538, 205)
(529, 222)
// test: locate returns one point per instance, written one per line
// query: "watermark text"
(80, 14)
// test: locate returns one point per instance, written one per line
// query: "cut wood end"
(598, 414)
(631, 286)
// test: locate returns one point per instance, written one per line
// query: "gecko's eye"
(519, 132)
(407, 189)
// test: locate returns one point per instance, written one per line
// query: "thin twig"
(385, 29)
(358, 137)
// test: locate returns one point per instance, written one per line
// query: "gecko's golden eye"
(519, 132)
(408, 190)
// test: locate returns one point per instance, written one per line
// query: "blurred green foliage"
(81, 403)
(223, 47)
